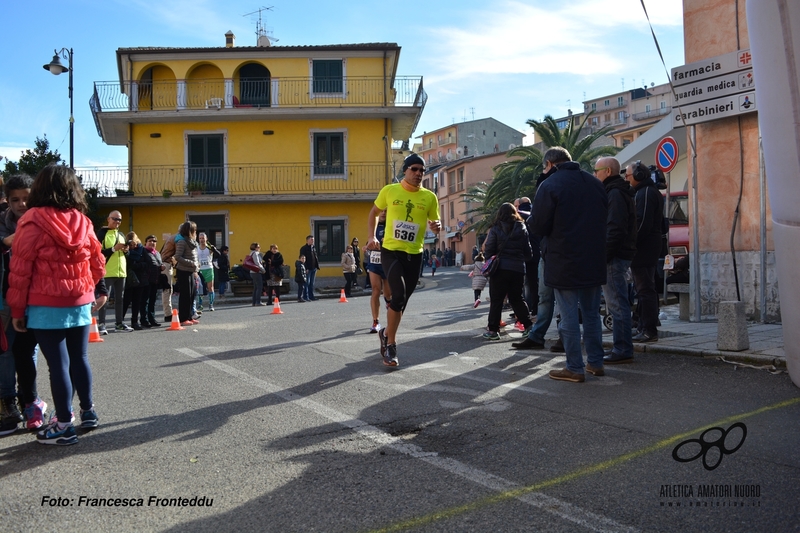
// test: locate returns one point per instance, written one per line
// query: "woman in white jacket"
(348, 269)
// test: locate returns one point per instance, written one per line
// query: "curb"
(738, 357)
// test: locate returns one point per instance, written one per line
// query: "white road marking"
(562, 509)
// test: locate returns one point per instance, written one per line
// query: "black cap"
(411, 160)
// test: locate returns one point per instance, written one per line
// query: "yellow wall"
(278, 67)
(284, 224)
(246, 142)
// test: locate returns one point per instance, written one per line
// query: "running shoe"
(491, 336)
(123, 327)
(89, 418)
(503, 324)
(34, 414)
(477, 303)
(101, 329)
(211, 308)
(53, 434)
(188, 323)
(54, 418)
(519, 325)
(382, 338)
(390, 359)
(375, 326)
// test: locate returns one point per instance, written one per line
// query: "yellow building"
(265, 143)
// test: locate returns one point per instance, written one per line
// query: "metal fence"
(268, 92)
(245, 179)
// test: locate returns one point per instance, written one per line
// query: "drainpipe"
(762, 179)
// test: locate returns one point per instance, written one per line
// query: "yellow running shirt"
(407, 216)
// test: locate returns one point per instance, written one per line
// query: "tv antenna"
(264, 35)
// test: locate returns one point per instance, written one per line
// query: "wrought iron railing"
(267, 92)
(244, 179)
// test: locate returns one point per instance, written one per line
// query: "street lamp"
(55, 67)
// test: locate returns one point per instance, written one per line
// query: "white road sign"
(712, 67)
(733, 83)
(727, 106)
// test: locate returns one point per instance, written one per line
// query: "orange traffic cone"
(94, 333)
(342, 299)
(276, 307)
(175, 325)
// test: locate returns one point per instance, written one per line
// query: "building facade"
(472, 138)
(256, 144)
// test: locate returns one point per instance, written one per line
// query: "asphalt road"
(292, 423)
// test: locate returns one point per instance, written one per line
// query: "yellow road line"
(587, 470)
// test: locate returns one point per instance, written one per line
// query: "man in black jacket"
(570, 211)
(649, 215)
(620, 249)
(312, 265)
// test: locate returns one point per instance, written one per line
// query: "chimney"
(230, 38)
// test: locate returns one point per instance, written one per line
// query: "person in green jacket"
(112, 240)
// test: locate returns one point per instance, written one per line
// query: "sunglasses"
(600, 169)
(416, 169)
(116, 219)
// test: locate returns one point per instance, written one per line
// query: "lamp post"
(55, 67)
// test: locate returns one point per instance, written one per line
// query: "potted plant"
(195, 188)
(166, 193)
(123, 192)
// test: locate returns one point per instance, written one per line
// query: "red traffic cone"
(94, 333)
(276, 307)
(175, 325)
(342, 299)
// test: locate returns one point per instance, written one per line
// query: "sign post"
(666, 159)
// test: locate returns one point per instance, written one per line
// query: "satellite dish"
(512, 146)
(263, 41)
(459, 151)
(449, 156)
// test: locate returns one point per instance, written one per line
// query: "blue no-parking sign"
(666, 154)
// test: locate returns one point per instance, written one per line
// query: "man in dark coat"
(649, 218)
(570, 211)
(620, 249)
(312, 265)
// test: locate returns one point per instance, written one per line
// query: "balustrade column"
(180, 87)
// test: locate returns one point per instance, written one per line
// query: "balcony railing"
(651, 114)
(245, 179)
(275, 92)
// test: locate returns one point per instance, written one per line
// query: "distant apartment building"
(464, 139)
(630, 113)
(450, 182)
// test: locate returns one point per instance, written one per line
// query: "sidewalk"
(677, 336)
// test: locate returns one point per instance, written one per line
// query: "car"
(678, 224)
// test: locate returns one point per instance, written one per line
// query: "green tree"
(512, 179)
(580, 148)
(32, 161)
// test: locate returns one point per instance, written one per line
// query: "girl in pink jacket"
(54, 269)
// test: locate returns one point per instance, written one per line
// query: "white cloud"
(584, 37)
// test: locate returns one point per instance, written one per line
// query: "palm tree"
(580, 148)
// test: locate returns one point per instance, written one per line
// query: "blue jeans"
(570, 329)
(616, 293)
(308, 293)
(544, 313)
(258, 287)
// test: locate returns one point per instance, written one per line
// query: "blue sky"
(508, 59)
